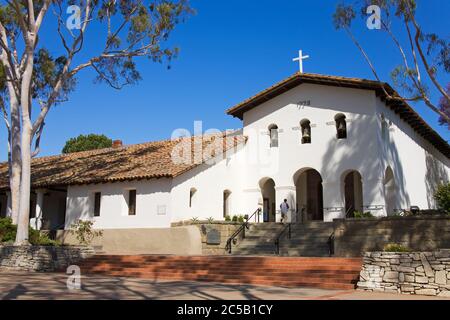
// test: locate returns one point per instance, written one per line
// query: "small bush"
(234, 219)
(395, 247)
(7, 230)
(194, 219)
(8, 234)
(38, 238)
(84, 232)
(241, 219)
(210, 220)
(227, 218)
(442, 197)
(362, 215)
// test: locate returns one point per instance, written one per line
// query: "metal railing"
(280, 235)
(331, 244)
(233, 239)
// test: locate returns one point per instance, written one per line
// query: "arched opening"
(273, 132)
(390, 192)
(226, 203)
(353, 193)
(192, 194)
(308, 183)
(341, 126)
(267, 186)
(305, 124)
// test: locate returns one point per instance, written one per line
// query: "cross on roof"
(300, 59)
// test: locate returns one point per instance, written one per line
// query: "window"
(161, 210)
(132, 202)
(226, 203)
(341, 126)
(306, 131)
(97, 201)
(273, 132)
(192, 193)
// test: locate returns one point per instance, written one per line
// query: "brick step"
(224, 265)
(227, 270)
(290, 260)
(220, 264)
(303, 282)
(338, 278)
(331, 273)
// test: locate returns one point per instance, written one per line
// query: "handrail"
(331, 244)
(277, 240)
(232, 240)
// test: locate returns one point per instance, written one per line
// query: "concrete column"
(373, 196)
(289, 193)
(9, 205)
(333, 204)
(39, 209)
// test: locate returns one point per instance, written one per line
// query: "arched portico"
(353, 192)
(267, 186)
(390, 191)
(309, 195)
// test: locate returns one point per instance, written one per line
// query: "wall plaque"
(213, 236)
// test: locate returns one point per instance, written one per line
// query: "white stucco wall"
(416, 165)
(331, 157)
(114, 210)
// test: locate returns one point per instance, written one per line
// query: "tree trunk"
(27, 136)
(15, 164)
(25, 188)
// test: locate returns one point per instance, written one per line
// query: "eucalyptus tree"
(424, 55)
(36, 75)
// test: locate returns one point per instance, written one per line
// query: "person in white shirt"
(284, 208)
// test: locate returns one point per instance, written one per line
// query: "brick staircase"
(307, 240)
(327, 273)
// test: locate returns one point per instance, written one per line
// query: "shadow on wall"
(436, 174)
(400, 198)
(356, 152)
(370, 150)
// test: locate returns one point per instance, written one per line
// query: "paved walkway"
(52, 286)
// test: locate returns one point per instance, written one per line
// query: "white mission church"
(329, 145)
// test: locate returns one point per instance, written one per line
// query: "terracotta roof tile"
(134, 162)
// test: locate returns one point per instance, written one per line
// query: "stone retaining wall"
(353, 237)
(225, 230)
(41, 258)
(423, 273)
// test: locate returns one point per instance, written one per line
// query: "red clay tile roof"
(401, 108)
(134, 162)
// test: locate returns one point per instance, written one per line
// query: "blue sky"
(229, 51)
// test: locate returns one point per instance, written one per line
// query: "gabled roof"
(134, 162)
(401, 108)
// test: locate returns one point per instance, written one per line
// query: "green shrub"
(84, 232)
(210, 220)
(235, 219)
(7, 230)
(8, 234)
(442, 197)
(38, 238)
(227, 218)
(395, 247)
(362, 215)
(194, 219)
(241, 218)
